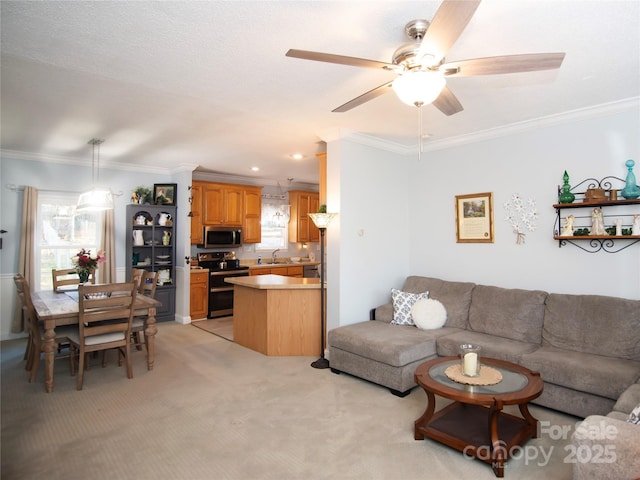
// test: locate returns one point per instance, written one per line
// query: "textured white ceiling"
(207, 83)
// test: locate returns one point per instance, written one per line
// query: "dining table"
(55, 309)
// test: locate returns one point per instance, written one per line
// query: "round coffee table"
(475, 423)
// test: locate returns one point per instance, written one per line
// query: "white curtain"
(27, 248)
(107, 272)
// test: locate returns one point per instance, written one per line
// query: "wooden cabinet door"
(233, 202)
(304, 221)
(222, 204)
(199, 295)
(260, 271)
(295, 271)
(314, 205)
(301, 227)
(279, 271)
(213, 204)
(196, 214)
(251, 226)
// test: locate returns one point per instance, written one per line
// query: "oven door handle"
(221, 289)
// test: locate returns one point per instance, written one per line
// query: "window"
(60, 233)
(275, 227)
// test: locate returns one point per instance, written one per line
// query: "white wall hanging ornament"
(521, 215)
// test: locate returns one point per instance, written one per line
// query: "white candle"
(470, 364)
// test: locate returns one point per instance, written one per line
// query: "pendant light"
(96, 199)
(282, 211)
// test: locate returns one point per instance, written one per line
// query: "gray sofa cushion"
(492, 346)
(395, 345)
(596, 324)
(594, 436)
(509, 313)
(629, 399)
(596, 374)
(618, 415)
(455, 296)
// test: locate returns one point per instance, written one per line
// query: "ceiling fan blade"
(340, 59)
(447, 25)
(365, 97)
(447, 102)
(528, 62)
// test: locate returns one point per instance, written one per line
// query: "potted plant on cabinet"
(141, 195)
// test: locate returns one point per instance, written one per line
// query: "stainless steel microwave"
(222, 237)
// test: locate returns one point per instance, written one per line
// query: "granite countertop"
(275, 282)
(198, 269)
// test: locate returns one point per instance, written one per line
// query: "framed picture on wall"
(164, 194)
(474, 218)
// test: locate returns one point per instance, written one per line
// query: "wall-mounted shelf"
(612, 209)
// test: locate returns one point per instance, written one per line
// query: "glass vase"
(470, 360)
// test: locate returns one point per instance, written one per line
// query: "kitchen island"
(277, 315)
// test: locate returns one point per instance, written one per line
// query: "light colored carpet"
(223, 327)
(212, 409)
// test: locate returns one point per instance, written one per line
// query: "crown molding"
(212, 176)
(570, 116)
(380, 143)
(62, 160)
(580, 114)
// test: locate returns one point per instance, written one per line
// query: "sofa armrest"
(382, 313)
(604, 447)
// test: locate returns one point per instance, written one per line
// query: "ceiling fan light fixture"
(418, 87)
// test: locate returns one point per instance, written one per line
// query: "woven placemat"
(488, 375)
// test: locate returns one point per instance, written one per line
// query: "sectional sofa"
(586, 347)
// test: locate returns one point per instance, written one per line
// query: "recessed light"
(255, 169)
(297, 156)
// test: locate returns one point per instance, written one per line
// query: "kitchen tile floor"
(222, 327)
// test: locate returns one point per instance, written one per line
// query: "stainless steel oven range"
(221, 265)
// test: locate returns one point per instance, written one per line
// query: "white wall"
(530, 163)
(367, 243)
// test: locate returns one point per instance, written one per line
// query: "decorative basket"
(594, 195)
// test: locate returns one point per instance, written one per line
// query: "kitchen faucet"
(273, 255)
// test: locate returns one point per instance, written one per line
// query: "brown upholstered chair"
(66, 279)
(105, 315)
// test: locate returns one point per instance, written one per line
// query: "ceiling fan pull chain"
(93, 165)
(98, 169)
(419, 132)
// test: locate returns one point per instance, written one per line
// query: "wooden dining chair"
(137, 275)
(20, 282)
(147, 287)
(105, 315)
(35, 347)
(66, 279)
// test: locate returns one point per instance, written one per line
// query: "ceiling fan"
(421, 66)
